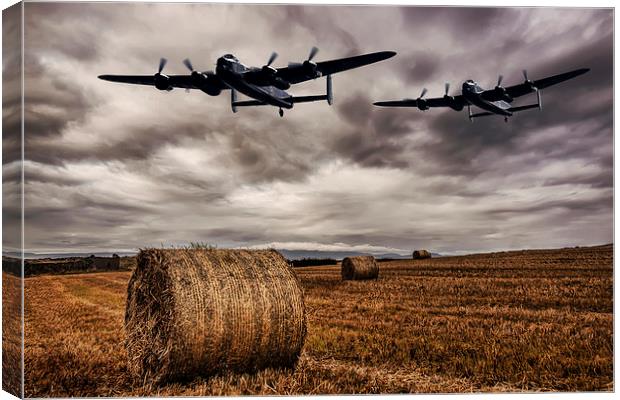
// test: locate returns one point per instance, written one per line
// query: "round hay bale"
(421, 254)
(196, 312)
(361, 267)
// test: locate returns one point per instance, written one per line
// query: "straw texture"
(361, 267)
(200, 311)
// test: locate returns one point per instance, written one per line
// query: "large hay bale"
(361, 267)
(200, 311)
(421, 254)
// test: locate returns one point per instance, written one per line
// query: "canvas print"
(249, 199)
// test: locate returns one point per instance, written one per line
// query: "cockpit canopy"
(230, 57)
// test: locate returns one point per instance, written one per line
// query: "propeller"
(529, 82)
(272, 58)
(313, 52)
(421, 102)
(267, 68)
(200, 79)
(501, 91)
(189, 65)
(309, 65)
(162, 64)
(451, 101)
(161, 80)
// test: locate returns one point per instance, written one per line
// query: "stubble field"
(517, 321)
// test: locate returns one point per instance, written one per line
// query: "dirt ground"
(517, 321)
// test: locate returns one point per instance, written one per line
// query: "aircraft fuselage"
(230, 71)
(472, 93)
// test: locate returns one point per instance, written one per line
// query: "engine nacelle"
(453, 104)
(270, 76)
(422, 105)
(162, 82)
(280, 83)
(204, 82)
(269, 70)
(211, 90)
(503, 94)
(310, 70)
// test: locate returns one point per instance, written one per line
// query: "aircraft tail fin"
(233, 100)
(330, 94)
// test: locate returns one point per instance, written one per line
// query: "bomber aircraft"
(496, 101)
(266, 85)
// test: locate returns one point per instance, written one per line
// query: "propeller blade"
(525, 74)
(423, 93)
(188, 64)
(272, 58)
(162, 64)
(313, 52)
(447, 88)
(499, 80)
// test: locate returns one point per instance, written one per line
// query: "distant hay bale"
(196, 312)
(421, 254)
(361, 267)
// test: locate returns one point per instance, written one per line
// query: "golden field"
(517, 321)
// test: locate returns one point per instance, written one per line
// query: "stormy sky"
(112, 167)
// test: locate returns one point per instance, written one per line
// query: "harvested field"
(11, 334)
(517, 321)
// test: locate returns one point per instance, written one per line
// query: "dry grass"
(11, 334)
(534, 321)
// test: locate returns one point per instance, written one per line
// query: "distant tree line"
(309, 262)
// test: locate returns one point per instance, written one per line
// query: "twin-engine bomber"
(266, 85)
(496, 101)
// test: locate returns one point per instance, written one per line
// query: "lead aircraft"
(266, 85)
(496, 101)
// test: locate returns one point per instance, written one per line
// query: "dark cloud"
(322, 26)
(458, 21)
(117, 167)
(11, 84)
(420, 67)
(374, 136)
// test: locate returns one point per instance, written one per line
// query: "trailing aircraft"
(266, 85)
(496, 101)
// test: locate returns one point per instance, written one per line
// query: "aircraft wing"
(525, 88)
(433, 102)
(298, 73)
(178, 81)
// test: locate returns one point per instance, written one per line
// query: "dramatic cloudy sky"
(116, 167)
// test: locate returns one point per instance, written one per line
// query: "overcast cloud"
(113, 167)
